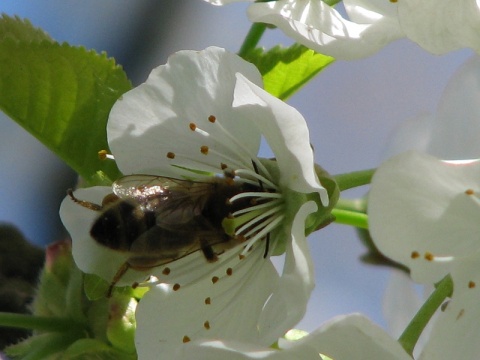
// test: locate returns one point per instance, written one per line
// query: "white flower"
(423, 213)
(433, 214)
(353, 336)
(439, 26)
(343, 338)
(197, 112)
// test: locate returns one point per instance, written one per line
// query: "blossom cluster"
(193, 132)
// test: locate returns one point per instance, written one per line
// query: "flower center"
(259, 208)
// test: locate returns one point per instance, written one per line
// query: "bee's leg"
(208, 251)
(267, 246)
(118, 275)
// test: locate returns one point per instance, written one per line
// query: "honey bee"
(157, 220)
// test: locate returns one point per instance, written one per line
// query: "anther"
(208, 301)
(204, 149)
(176, 287)
(229, 271)
(471, 284)
(215, 279)
(206, 325)
(186, 339)
(415, 255)
(103, 155)
(192, 126)
(469, 192)
(223, 166)
(166, 271)
(428, 256)
(171, 155)
(241, 257)
(212, 118)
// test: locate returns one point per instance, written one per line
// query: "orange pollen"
(176, 287)
(166, 271)
(415, 255)
(208, 301)
(469, 192)
(206, 325)
(215, 279)
(204, 149)
(102, 154)
(212, 118)
(192, 126)
(471, 284)
(393, 1)
(229, 271)
(186, 339)
(171, 155)
(428, 256)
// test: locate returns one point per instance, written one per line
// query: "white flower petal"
(286, 132)
(154, 119)
(288, 303)
(90, 256)
(455, 333)
(223, 2)
(343, 338)
(418, 204)
(253, 304)
(230, 305)
(440, 26)
(320, 27)
(400, 302)
(456, 129)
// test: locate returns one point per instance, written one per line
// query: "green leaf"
(62, 95)
(20, 30)
(286, 70)
(85, 349)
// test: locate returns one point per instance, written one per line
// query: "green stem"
(353, 218)
(357, 205)
(354, 179)
(253, 37)
(410, 336)
(32, 322)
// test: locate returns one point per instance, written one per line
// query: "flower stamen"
(104, 155)
(257, 176)
(273, 224)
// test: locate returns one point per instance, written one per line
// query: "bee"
(157, 220)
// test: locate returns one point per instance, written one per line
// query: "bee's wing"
(143, 187)
(173, 201)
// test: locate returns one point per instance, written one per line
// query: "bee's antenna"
(86, 204)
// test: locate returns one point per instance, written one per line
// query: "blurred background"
(352, 108)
